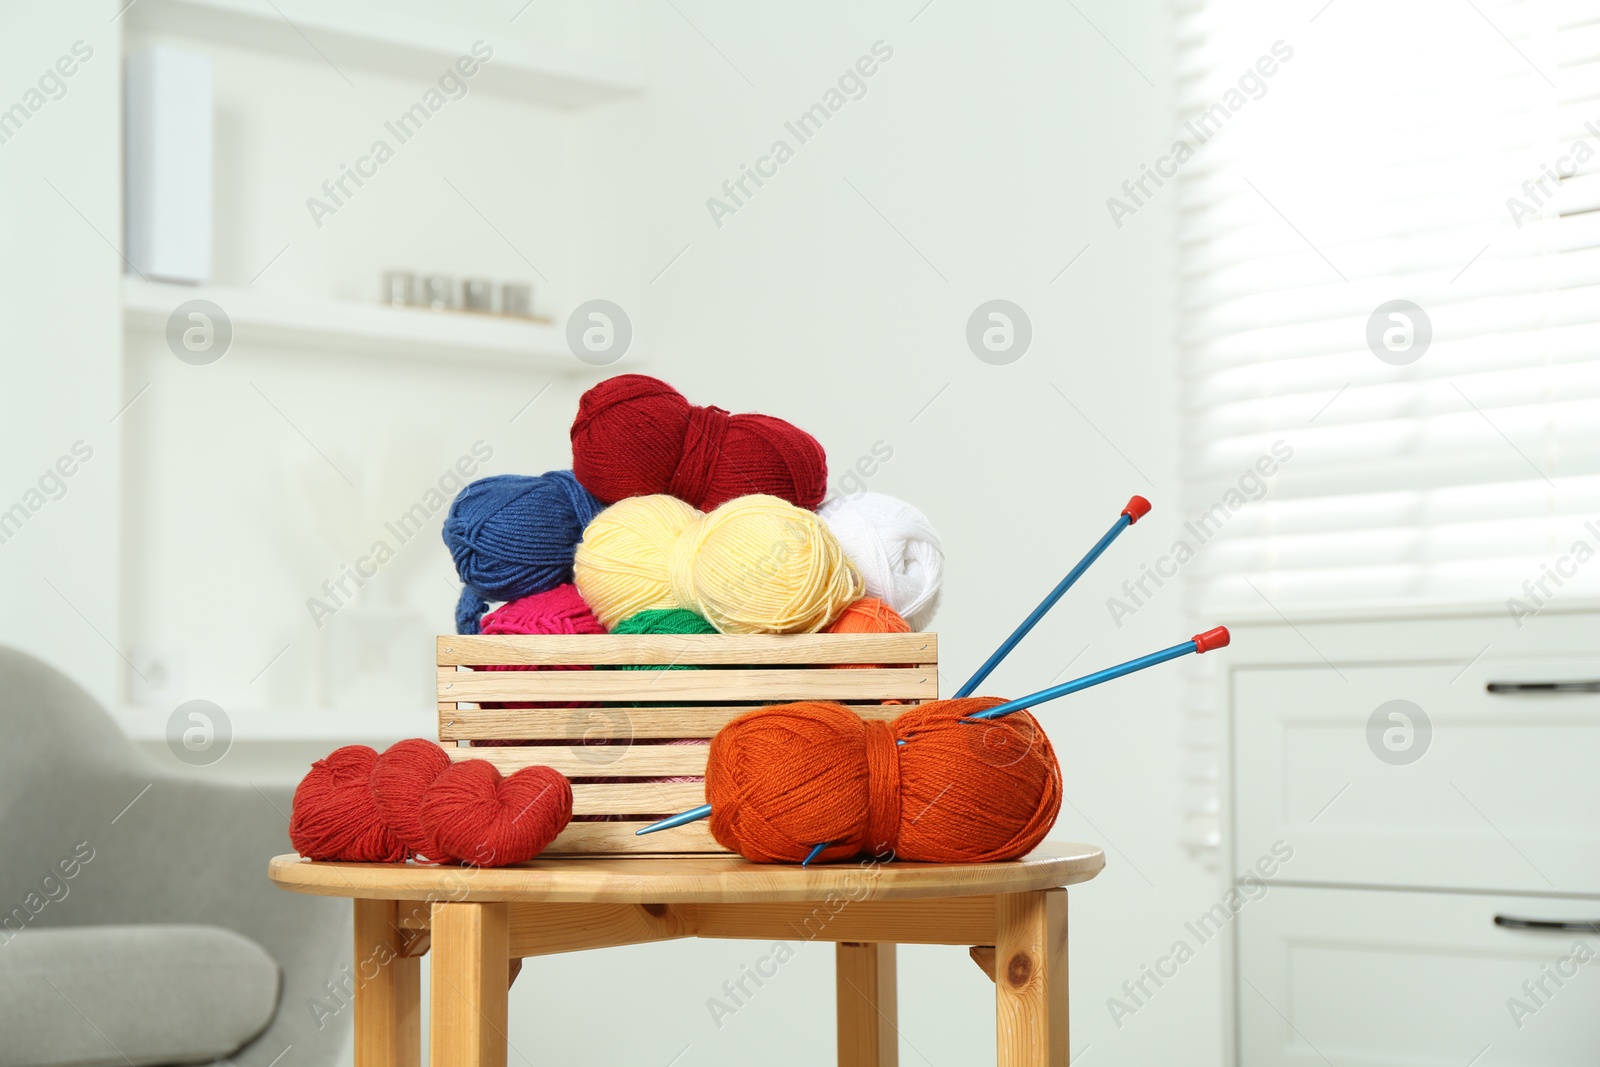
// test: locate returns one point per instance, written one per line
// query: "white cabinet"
(1429, 774)
(1472, 790)
(1369, 977)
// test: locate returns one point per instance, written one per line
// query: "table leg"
(1031, 979)
(388, 995)
(865, 980)
(470, 975)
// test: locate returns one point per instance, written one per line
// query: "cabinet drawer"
(1457, 787)
(1348, 977)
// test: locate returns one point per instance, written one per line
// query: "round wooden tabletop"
(687, 879)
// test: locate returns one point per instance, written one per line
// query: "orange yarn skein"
(781, 779)
(869, 615)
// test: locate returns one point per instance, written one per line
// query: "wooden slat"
(869, 683)
(618, 838)
(698, 649)
(572, 724)
(542, 929)
(637, 798)
(940, 921)
(608, 761)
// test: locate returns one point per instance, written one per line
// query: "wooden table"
(480, 923)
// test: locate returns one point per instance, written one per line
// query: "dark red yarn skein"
(399, 780)
(481, 818)
(782, 779)
(335, 816)
(412, 800)
(636, 435)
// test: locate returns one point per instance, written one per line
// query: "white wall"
(58, 339)
(991, 141)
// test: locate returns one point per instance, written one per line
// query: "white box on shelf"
(168, 159)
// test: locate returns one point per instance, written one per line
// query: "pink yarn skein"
(556, 611)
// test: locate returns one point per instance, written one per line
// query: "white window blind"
(1442, 153)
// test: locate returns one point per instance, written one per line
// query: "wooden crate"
(617, 738)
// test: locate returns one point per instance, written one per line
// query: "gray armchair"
(170, 860)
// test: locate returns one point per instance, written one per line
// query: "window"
(1389, 257)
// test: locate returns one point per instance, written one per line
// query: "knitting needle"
(1138, 507)
(1217, 638)
(683, 818)
(816, 850)
(1206, 642)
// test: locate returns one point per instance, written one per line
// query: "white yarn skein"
(894, 547)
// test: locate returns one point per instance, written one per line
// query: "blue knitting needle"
(683, 818)
(1206, 642)
(816, 850)
(1217, 638)
(1138, 507)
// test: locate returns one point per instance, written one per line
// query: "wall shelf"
(346, 326)
(397, 47)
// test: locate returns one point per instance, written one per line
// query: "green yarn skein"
(663, 621)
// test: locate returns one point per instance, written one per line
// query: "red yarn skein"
(400, 778)
(636, 435)
(335, 817)
(361, 807)
(784, 778)
(484, 819)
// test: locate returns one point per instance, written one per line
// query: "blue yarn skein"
(512, 535)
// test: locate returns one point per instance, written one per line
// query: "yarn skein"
(362, 807)
(399, 779)
(620, 566)
(781, 779)
(335, 816)
(756, 564)
(869, 615)
(667, 621)
(512, 535)
(895, 548)
(637, 436)
(663, 621)
(487, 820)
(555, 611)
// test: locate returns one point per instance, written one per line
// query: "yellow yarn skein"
(620, 567)
(760, 565)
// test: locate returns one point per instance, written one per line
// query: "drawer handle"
(1545, 687)
(1576, 926)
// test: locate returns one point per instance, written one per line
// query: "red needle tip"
(1211, 639)
(1138, 507)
